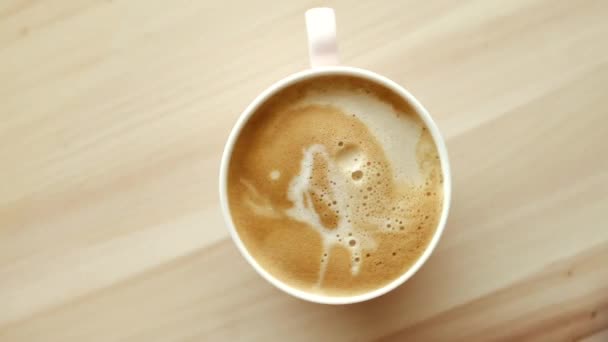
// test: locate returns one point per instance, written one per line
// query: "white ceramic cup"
(321, 27)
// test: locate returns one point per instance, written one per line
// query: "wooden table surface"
(113, 116)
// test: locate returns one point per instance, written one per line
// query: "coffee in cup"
(335, 185)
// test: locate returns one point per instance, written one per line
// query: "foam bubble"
(275, 174)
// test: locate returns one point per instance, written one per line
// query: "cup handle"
(322, 43)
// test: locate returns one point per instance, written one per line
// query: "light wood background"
(113, 116)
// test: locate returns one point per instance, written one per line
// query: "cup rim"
(328, 71)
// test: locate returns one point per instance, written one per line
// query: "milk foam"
(345, 234)
(397, 134)
(259, 204)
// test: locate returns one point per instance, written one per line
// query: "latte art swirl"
(335, 185)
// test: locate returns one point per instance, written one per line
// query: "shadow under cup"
(273, 204)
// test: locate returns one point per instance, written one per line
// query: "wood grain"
(113, 115)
